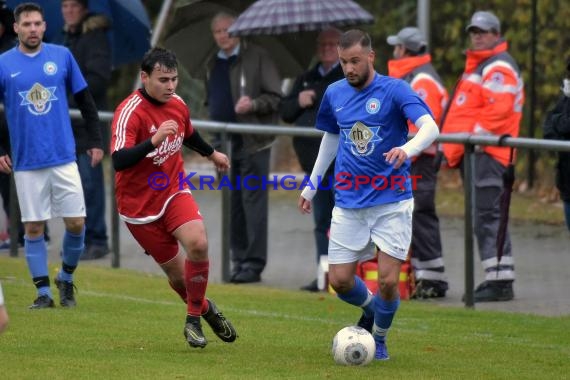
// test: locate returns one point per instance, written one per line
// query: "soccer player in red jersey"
(149, 128)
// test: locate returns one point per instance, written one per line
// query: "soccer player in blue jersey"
(364, 117)
(34, 79)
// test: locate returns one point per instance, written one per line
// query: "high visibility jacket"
(488, 100)
(424, 80)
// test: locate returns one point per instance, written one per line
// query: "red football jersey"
(144, 190)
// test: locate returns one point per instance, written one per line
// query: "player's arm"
(88, 109)
(5, 163)
(428, 132)
(326, 155)
(198, 144)
(128, 157)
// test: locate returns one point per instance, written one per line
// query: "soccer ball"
(353, 346)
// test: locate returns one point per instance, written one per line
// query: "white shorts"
(354, 232)
(50, 193)
(1, 296)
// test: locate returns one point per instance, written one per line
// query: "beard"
(31, 46)
(358, 81)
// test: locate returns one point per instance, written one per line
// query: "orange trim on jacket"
(424, 84)
(488, 100)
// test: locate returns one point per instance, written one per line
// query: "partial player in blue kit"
(34, 80)
(364, 117)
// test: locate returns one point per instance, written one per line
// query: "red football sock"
(196, 279)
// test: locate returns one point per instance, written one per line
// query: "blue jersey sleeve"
(326, 120)
(411, 105)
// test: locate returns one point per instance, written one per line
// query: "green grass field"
(128, 325)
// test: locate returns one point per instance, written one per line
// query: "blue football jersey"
(370, 121)
(34, 92)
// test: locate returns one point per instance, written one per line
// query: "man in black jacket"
(557, 127)
(85, 35)
(300, 107)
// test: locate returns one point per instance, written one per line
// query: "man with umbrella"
(244, 86)
(488, 100)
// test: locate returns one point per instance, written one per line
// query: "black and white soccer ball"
(353, 345)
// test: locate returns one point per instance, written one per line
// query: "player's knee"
(197, 248)
(74, 225)
(340, 285)
(388, 286)
(34, 229)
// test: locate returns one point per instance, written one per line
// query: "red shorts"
(157, 238)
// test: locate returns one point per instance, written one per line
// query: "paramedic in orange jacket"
(488, 100)
(412, 63)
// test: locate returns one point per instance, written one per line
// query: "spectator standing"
(557, 127)
(84, 34)
(364, 118)
(412, 63)
(243, 86)
(43, 149)
(149, 128)
(488, 100)
(7, 41)
(300, 107)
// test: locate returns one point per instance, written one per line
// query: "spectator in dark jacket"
(557, 127)
(300, 107)
(85, 35)
(7, 41)
(243, 86)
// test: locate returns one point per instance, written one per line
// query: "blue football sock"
(383, 316)
(359, 296)
(36, 256)
(73, 246)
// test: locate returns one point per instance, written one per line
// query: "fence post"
(226, 212)
(468, 183)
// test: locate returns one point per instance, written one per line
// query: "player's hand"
(168, 128)
(396, 156)
(244, 105)
(307, 98)
(221, 161)
(96, 155)
(305, 206)
(5, 164)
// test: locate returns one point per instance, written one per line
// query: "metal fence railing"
(225, 129)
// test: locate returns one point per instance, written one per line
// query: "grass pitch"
(128, 325)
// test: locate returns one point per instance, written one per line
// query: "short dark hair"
(163, 57)
(353, 37)
(83, 3)
(27, 7)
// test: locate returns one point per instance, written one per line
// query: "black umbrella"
(190, 37)
(505, 202)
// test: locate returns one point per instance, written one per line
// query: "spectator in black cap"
(557, 127)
